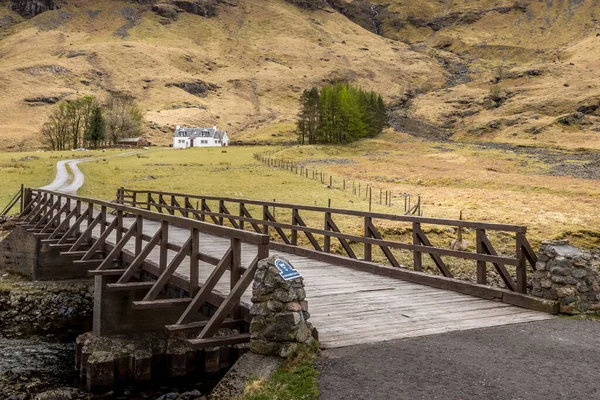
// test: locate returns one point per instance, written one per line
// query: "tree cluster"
(339, 113)
(86, 122)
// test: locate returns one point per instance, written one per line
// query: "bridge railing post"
(236, 273)
(417, 255)
(294, 238)
(194, 252)
(367, 246)
(265, 218)
(241, 214)
(481, 265)
(327, 238)
(522, 264)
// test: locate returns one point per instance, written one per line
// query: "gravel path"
(60, 182)
(546, 360)
(66, 182)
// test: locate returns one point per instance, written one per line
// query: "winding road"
(65, 182)
(69, 182)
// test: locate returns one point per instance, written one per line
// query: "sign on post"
(286, 271)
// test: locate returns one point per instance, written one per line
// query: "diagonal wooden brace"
(207, 288)
(230, 301)
(169, 271)
(116, 251)
(140, 258)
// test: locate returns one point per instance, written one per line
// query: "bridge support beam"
(114, 313)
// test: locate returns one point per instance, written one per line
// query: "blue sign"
(286, 271)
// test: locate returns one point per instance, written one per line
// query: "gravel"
(554, 359)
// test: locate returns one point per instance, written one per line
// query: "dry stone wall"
(279, 311)
(569, 275)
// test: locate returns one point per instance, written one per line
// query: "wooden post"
(367, 246)
(522, 266)
(236, 272)
(294, 239)
(327, 238)
(330, 181)
(344, 184)
(138, 234)
(194, 252)
(380, 196)
(358, 189)
(417, 255)
(164, 242)
(148, 200)
(22, 199)
(481, 265)
(186, 212)
(119, 225)
(134, 199)
(221, 205)
(265, 226)
(241, 213)
(390, 202)
(370, 197)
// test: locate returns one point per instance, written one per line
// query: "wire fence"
(367, 191)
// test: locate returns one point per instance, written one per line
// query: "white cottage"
(199, 137)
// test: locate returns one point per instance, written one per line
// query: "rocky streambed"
(39, 326)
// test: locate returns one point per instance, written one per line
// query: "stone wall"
(569, 275)
(279, 312)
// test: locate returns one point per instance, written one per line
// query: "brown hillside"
(249, 63)
(511, 71)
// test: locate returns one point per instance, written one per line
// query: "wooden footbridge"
(185, 262)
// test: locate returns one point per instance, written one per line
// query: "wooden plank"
(106, 272)
(161, 303)
(227, 324)
(220, 341)
(120, 287)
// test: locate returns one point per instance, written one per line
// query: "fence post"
(294, 231)
(241, 223)
(481, 265)
(417, 255)
(367, 246)
(327, 238)
(522, 266)
(265, 226)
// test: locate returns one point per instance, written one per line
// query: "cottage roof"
(199, 132)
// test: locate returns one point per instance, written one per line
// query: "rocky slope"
(519, 71)
(238, 64)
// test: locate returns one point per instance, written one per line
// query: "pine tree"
(339, 113)
(96, 128)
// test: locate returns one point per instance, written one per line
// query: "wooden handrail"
(420, 245)
(223, 231)
(341, 211)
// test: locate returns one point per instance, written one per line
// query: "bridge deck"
(351, 307)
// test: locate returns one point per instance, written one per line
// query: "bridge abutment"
(26, 254)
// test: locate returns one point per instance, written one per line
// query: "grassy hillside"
(255, 58)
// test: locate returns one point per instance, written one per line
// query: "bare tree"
(123, 117)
